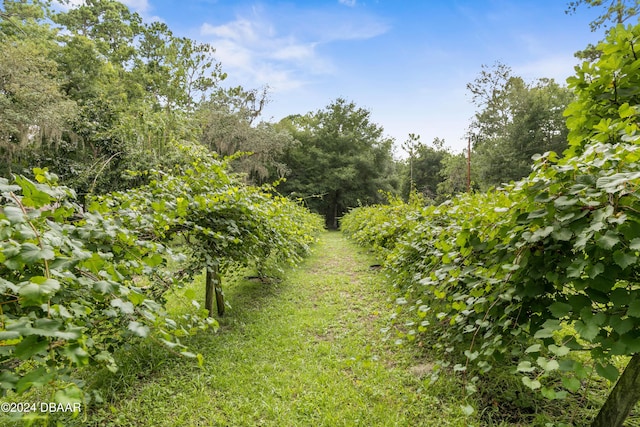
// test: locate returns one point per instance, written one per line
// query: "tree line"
(97, 95)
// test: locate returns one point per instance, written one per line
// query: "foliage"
(227, 128)
(617, 11)
(70, 289)
(547, 269)
(98, 92)
(425, 166)
(515, 121)
(222, 220)
(76, 285)
(342, 159)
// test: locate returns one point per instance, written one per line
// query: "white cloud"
(264, 47)
(140, 6)
(350, 3)
(557, 67)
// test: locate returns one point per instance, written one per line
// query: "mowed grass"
(307, 351)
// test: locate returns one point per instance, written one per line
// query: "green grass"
(307, 351)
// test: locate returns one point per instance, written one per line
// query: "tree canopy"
(341, 159)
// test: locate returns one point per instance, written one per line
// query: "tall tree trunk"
(622, 398)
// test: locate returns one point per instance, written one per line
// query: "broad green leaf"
(125, 306)
(35, 378)
(559, 351)
(76, 354)
(38, 290)
(634, 308)
(526, 366)
(532, 384)
(138, 329)
(30, 346)
(70, 394)
(548, 393)
(535, 348)
(608, 240)
(14, 214)
(608, 371)
(31, 253)
(632, 342)
(621, 326)
(571, 383)
(467, 410)
(576, 268)
(104, 287)
(587, 330)
(562, 234)
(624, 259)
(548, 364)
(560, 309)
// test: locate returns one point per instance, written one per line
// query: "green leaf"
(560, 309)
(608, 240)
(576, 268)
(535, 348)
(587, 330)
(634, 244)
(624, 259)
(70, 394)
(559, 351)
(548, 364)
(609, 371)
(35, 378)
(14, 214)
(525, 366)
(30, 346)
(31, 253)
(76, 354)
(634, 308)
(104, 287)
(532, 384)
(632, 342)
(125, 306)
(621, 326)
(625, 110)
(563, 234)
(548, 393)
(467, 410)
(136, 298)
(138, 329)
(595, 269)
(571, 383)
(38, 290)
(153, 260)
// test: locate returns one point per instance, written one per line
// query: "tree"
(134, 88)
(425, 166)
(227, 127)
(617, 12)
(33, 108)
(515, 121)
(453, 175)
(341, 159)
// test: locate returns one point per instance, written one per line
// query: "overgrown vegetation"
(77, 285)
(540, 272)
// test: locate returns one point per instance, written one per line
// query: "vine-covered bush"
(76, 284)
(531, 273)
(222, 220)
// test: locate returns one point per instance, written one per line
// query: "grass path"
(307, 351)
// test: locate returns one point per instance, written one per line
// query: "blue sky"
(408, 62)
